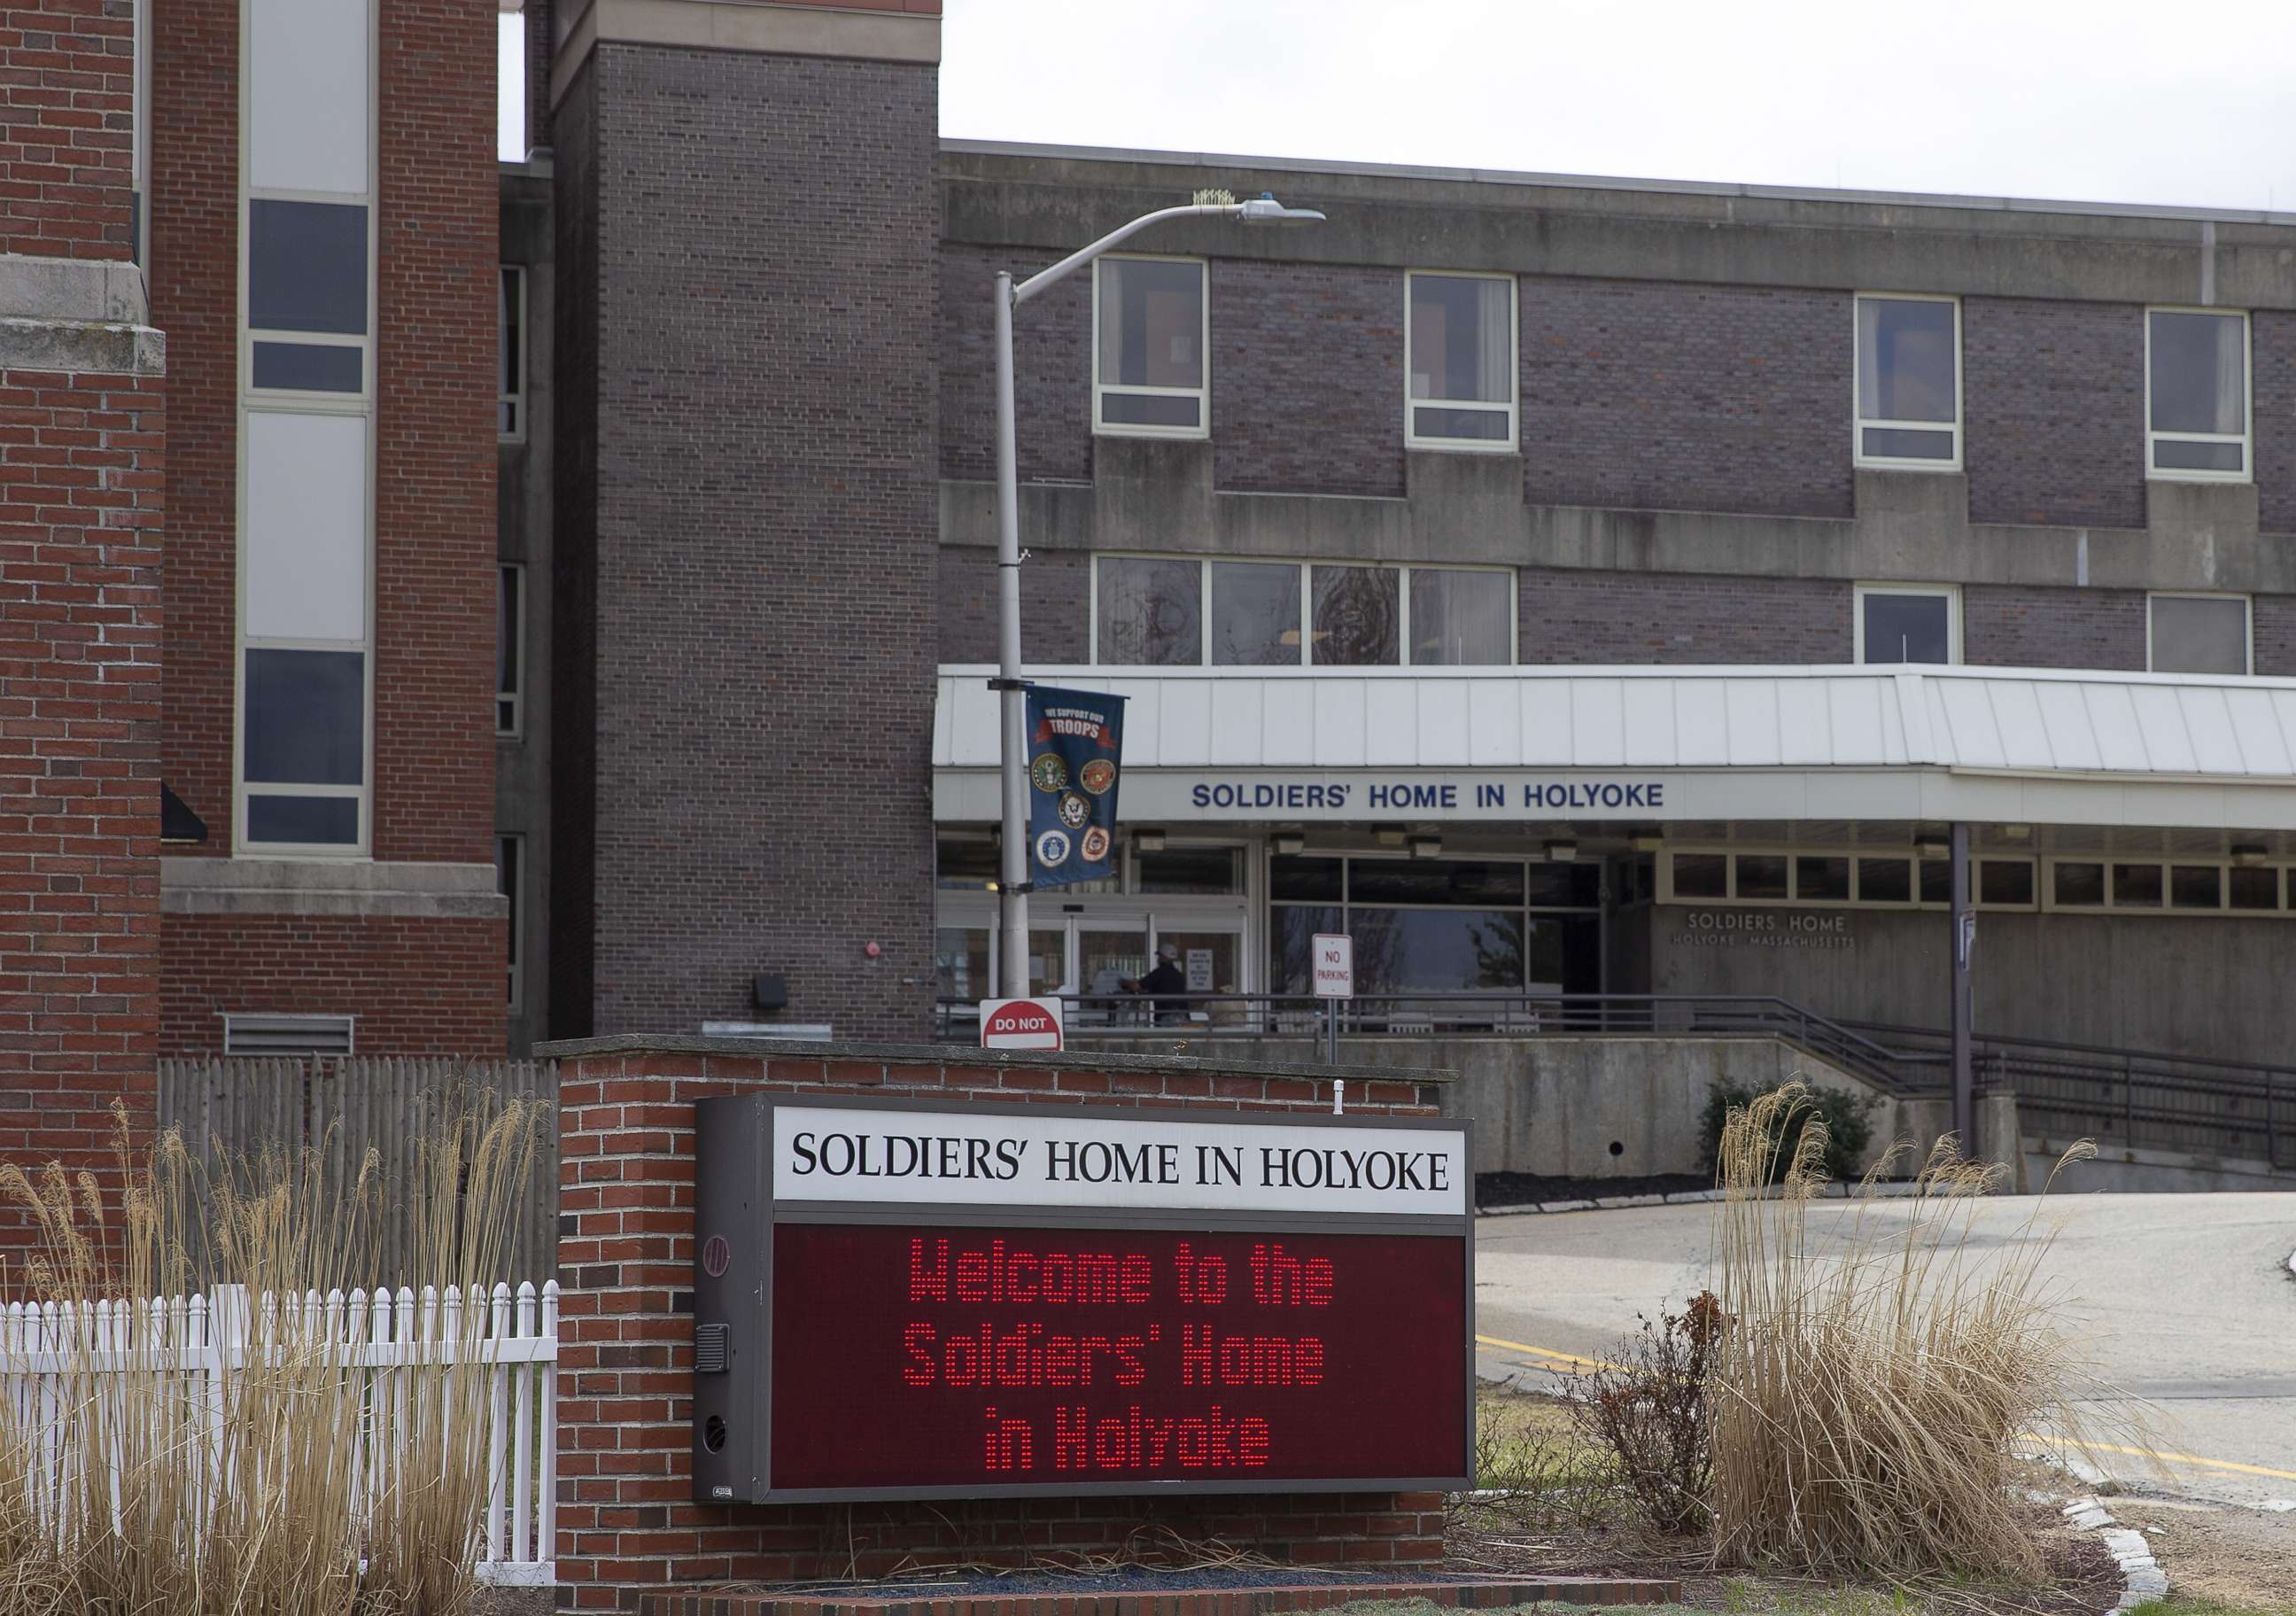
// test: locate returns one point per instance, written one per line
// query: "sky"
(2086, 100)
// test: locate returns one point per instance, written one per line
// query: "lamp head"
(1265, 209)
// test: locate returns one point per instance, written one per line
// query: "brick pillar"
(626, 1524)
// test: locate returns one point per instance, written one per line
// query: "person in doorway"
(1166, 978)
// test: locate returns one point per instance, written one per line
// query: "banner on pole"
(1075, 744)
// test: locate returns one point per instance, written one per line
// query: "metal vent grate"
(256, 1035)
(710, 1349)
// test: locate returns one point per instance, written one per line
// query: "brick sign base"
(628, 1526)
(1485, 1594)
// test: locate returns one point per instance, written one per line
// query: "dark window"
(1566, 886)
(309, 367)
(306, 266)
(320, 821)
(963, 864)
(2136, 886)
(1702, 875)
(1357, 611)
(1885, 881)
(306, 718)
(1190, 870)
(2195, 886)
(2254, 889)
(1429, 880)
(1822, 880)
(1304, 879)
(1150, 611)
(1907, 627)
(2077, 886)
(2005, 880)
(1761, 875)
(1937, 881)
(1292, 944)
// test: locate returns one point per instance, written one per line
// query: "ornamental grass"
(291, 1478)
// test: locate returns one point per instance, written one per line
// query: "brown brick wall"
(626, 1524)
(2003, 627)
(82, 484)
(1644, 617)
(1658, 396)
(2054, 399)
(421, 985)
(2272, 348)
(1052, 369)
(1307, 378)
(67, 128)
(2272, 629)
(1055, 605)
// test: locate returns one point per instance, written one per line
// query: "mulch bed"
(1520, 1189)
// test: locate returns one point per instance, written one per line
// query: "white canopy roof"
(1902, 741)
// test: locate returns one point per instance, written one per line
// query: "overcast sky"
(2095, 100)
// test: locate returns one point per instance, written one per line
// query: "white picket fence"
(204, 1339)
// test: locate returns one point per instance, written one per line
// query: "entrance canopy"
(1667, 745)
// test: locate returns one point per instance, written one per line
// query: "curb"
(2142, 1579)
(1838, 1190)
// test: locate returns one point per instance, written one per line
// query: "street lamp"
(1013, 887)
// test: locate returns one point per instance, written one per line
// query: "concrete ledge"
(1139, 1597)
(70, 347)
(864, 33)
(326, 886)
(2118, 1168)
(104, 291)
(962, 1055)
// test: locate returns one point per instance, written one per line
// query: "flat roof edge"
(1600, 182)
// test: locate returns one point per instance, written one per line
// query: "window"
(1801, 878)
(2157, 886)
(1908, 623)
(1439, 925)
(1909, 382)
(2197, 634)
(287, 1035)
(1151, 327)
(510, 650)
(307, 382)
(510, 331)
(1166, 612)
(1459, 356)
(2196, 403)
(510, 859)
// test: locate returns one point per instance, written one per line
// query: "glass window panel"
(309, 367)
(1462, 344)
(1292, 943)
(1702, 875)
(960, 964)
(2077, 886)
(306, 520)
(1822, 879)
(1433, 881)
(1048, 961)
(1304, 879)
(2005, 880)
(2253, 887)
(1907, 627)
(1152, 323)
(1906, 359)
(306, 717)
(2136, 886)
(2199, 373)
(2195, 886)
(1475, 426)
(308, 94)
(2199, 633)
(1209, 958)
(1885, 881)
(2178, 454)
(317, 821)
(1438, 950)
(1761, 875)
(1110, 957)
(509, 299)
(1937, 881)
(1460, 618)
(1907, 443)
(964, 863)
(1190, 870)
(1150, 611)
(306, 266)
(506, 853)
(1151, 409)
(1255, 614)
(1356, 611)
(1566, 886)
(506, 636)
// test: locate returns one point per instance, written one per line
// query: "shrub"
(1844, 1120)
(1648, 1408)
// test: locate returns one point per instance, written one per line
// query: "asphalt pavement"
(2184, 1301)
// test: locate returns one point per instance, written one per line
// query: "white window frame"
(254, 401)
(1859, 422)
(2224, 910)
(2246, 438)
(1100, 425)
(514, 842)
(1952, 593)
(140, 139)
(1203, 565)
(514, 396)
(514, 574)
(1664, 885)
(1411, 404)
(2248, 631)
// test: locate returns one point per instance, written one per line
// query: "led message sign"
(965, 1300)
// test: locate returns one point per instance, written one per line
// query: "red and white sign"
(1335, 966)
(1019, 1023)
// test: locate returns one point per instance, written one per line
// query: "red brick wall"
(81, 488)
(627, 1522)
(67, 131)
(418, 986)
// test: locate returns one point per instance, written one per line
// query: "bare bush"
(1648, 1409)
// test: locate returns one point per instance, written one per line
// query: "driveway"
(2183, 1300)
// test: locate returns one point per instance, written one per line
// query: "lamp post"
(1014, 882)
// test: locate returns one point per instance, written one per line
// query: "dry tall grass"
(1869, 1397)
(134, 1488)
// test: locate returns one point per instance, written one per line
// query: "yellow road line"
(1581, 1365)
